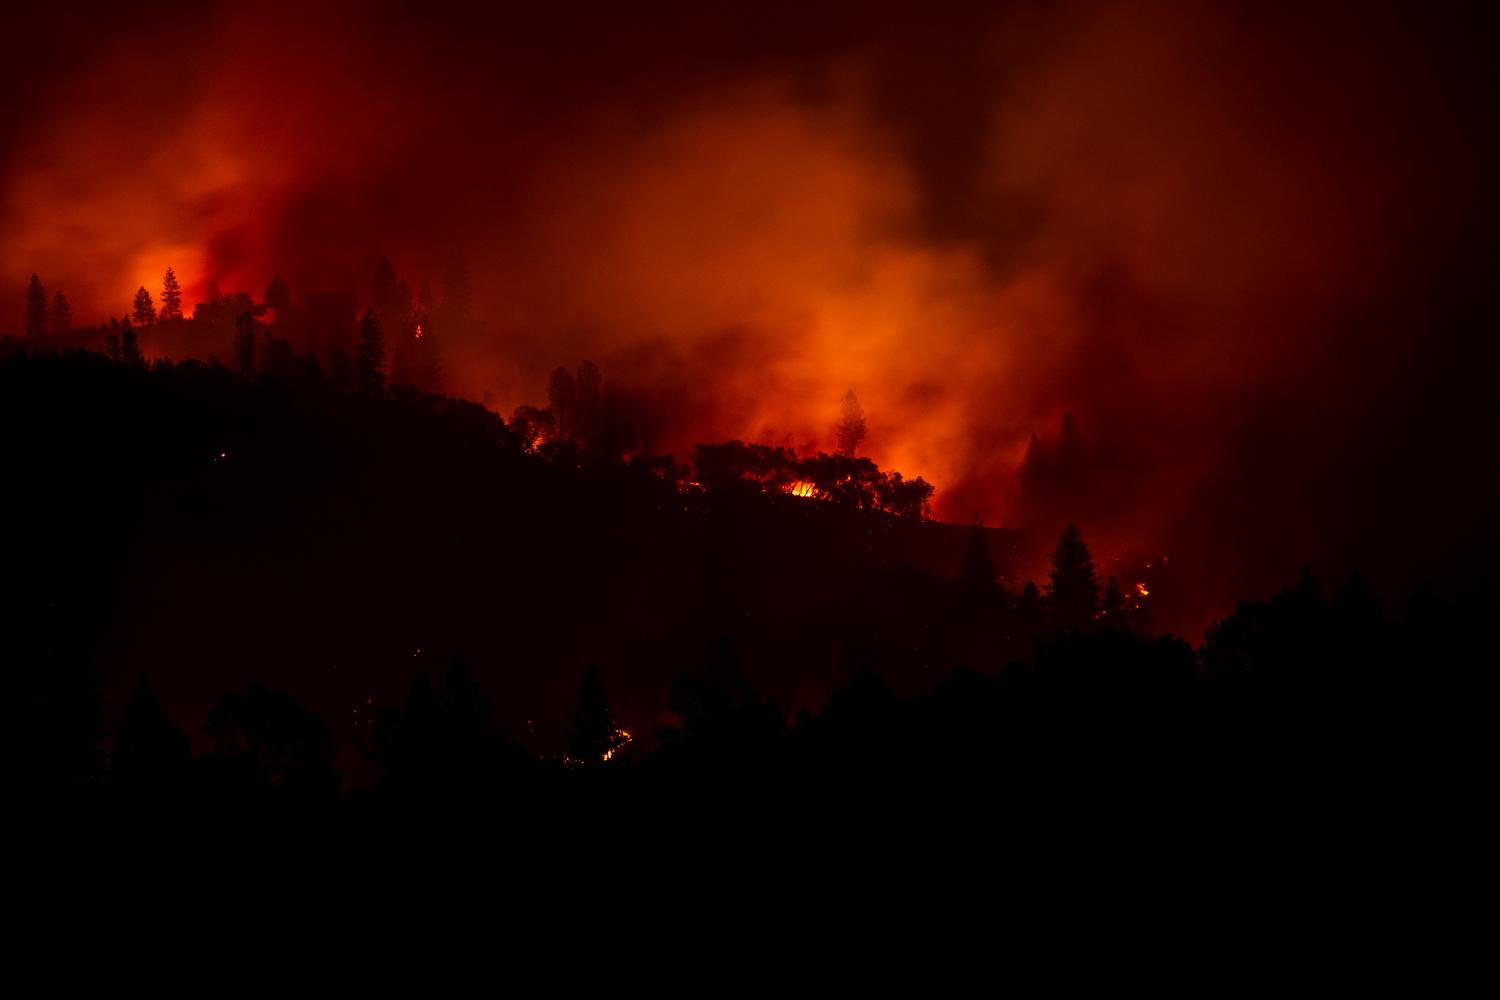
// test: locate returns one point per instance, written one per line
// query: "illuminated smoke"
(1163, 218)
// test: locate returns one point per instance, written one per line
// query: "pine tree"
(1074, 589)
(62, 316)
(36, 309)
(244, 345)
(595, 736)
(130, 346)
(369, 356)
(171, 296)
(150, 750)
(851, 425)
(142, 313)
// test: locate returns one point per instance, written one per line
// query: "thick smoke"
(1241, 246)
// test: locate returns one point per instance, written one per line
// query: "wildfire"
(802, 488)
(621, 740)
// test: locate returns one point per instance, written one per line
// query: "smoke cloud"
(1244, 246)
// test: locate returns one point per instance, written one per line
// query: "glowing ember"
(621, 740)
(419, 331)
(1140, 588)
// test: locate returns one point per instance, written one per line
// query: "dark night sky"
(1249, 245)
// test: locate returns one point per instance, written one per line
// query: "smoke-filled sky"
(1250, 246)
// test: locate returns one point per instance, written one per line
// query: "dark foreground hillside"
(222, 590)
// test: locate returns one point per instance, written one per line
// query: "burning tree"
(595, 737)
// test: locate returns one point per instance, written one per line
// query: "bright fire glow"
(419, 331)
(802, 488)
(1140, 588)
(622, 739)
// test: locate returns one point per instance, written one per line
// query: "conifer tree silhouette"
(171, 296)
(369, 356)
(150, 750)
(851, 426)
(1074, 589)
(62, 316)
(594, 736)
(142, 312)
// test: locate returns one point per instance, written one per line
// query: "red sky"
(1250, 246)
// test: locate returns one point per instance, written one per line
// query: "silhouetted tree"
(62, 316)
(1074, 589)
(1031, 615)
(278, 297)
(130, 346)
(905, 497)
(720, 721)
(151, 752)
(244, 345)
(594, 737)
(532, 425)
(171, 296)
(278, 740)
(369, 356)
(851, 425)
(36, 309)
(142, 312)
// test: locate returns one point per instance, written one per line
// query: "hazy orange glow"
(1160, 217)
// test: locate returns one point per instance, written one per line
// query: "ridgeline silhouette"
(278, 551)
